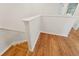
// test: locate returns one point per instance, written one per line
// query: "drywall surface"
(11, 14)
(9, 37)
(32, 30)
(58, 25)
(76, 26)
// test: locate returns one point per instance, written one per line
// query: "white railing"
(57, 25)
(32, 26)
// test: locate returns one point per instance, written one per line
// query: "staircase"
(17, 50)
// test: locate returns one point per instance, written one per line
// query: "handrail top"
(31, 18)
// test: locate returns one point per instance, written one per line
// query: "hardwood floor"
(49, 45)
(17, 50)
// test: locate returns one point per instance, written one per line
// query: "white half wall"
(58, 25)
(76, 26)
(32, 26)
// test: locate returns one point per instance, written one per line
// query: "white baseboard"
(55, 34)
(35, 43)
(11, 29)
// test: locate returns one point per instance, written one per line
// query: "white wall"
(11, 14)
(58, 25)
(51, 9)
(76, 26)
(32, 26)
(8, 38)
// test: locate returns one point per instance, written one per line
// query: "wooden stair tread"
(18, 50)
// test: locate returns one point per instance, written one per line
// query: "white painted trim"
(10, 29)
(31, 18)
(60, 16)
(35, 43)
(27, 27)
(54, 34)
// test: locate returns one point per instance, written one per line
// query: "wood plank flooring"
(49, 45)
(17, 50)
